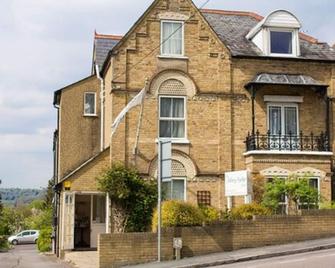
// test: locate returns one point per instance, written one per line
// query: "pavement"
(244, 255)
(27, 256)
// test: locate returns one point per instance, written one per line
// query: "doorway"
(82, 226)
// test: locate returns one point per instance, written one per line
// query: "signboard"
(237, 183)
(166, 161)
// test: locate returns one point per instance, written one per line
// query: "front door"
(68, 220)
(98, 220)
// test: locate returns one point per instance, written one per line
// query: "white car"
(24, 237)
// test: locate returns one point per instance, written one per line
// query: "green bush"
(178, 213)
(327, 205)
(3, 243)
(211, 215)
(247, 211)
(44, 240)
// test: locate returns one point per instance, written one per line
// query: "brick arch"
(182, 166)
(172, 82)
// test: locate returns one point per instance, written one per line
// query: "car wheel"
(36, 241)
(15, 242)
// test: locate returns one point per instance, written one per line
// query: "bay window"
(172, 35)
(172, 121)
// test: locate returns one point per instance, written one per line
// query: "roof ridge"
(233, 12)
(107, 36)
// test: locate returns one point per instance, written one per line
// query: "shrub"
(132, 198)
(247, 211)
(211, 215)
(3, 243)
(44, 240)
(327, 205)
(178, 213)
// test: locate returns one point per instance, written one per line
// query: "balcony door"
(283, 125)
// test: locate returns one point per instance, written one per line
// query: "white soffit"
(281, 98)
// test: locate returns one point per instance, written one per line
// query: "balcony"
(290, 142)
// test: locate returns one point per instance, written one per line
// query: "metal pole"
(159, 174)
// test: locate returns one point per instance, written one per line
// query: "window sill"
(173, 57)
(90, 115)
(177, 141)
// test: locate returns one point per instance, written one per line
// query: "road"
(316, 259)
(27, 256)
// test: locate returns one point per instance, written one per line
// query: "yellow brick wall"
(79, 135)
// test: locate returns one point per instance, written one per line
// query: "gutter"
(102, 112)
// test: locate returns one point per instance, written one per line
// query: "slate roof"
(232, 27)
(103, 44)
(285, 79)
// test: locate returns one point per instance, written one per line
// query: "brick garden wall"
(120, 249)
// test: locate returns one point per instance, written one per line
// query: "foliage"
(247, 211)
(41, 220)
(178, 213)
(44, 241)
(3, 243)
(132, 198)
(258, 188)
(211, 214)
(297, 191)
(327, 205)
(13, 220)
(49, 194)
(19, 197)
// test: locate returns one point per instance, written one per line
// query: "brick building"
(233, 90)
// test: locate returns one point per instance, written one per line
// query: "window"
(174, 189)
(204, 198)
(310, 204)
(283, 118)
(25, 233)
(172, 35)
(172, 117)
(281, 42)
(282, 201)
(99, 209)
(89, 104)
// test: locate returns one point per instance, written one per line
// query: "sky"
(47, 44)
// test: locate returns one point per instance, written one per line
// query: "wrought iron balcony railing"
(290, 142)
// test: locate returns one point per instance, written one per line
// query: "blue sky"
(47, 44)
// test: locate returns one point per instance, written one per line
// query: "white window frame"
(183, 39)
(95, 104)
(295, 42)
(282, 105)
(176, 179)
(172, 118)
(319, 187)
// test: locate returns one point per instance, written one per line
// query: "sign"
(177, 243)
(67, 185)
(237, 183)
(166, 161)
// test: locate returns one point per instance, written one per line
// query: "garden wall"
(121, 249)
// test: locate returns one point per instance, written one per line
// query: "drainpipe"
(56, 208)
(102, 101)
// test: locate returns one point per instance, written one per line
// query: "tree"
(1, 207)
(296, 190)
(49, 195)
(132, 198)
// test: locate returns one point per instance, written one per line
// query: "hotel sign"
(237, 183)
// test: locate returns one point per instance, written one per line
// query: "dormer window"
(277, 35)
(281, 42)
